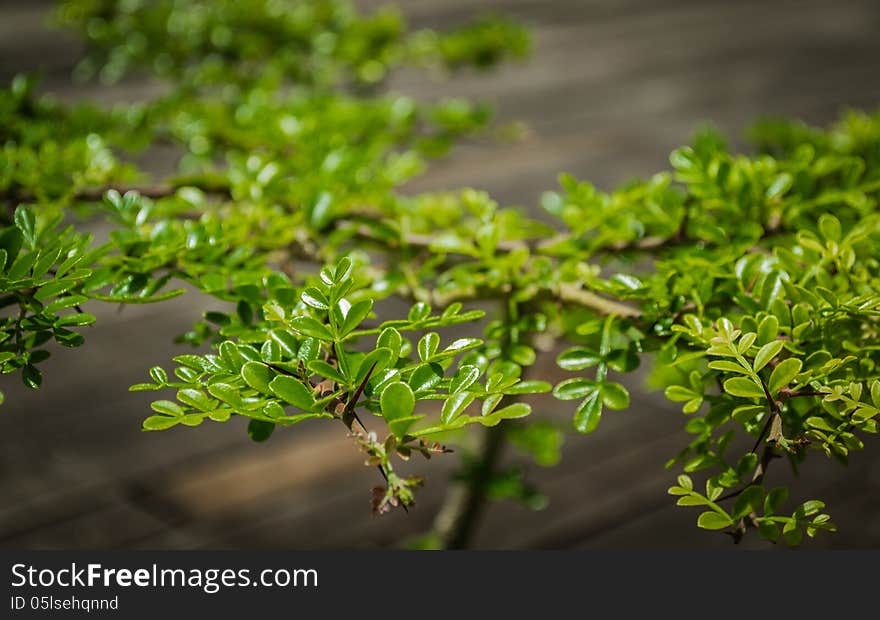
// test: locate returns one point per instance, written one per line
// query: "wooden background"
(613, 86)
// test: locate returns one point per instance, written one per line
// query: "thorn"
(352, 402)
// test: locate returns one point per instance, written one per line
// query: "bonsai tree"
(749, 283)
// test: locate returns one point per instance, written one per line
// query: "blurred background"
(611, 88)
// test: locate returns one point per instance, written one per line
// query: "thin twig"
(767, 454)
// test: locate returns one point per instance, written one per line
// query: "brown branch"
(771, 430)
(96, 194)
(767, 456)
(574, 294)
(789, 394)
(463, 506)
(763, 432)
(569, 293)
(465, 502)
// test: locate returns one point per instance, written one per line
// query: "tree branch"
(96, 194)
(463, 506)
(603, 305)
(771, 430)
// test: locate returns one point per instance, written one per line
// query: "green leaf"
(355, 316)
(22, 266)
(343, 270)
(456, 347)
(829, 296)
(307, 326)
(158, 375)
(425, 377)
(133, 299)
(67, 338)
(260, 430)
(391, 339)
(572, 389)
(31, 376)
(766, 353)
(792, 534)
(614, 395)
(578, 358)
(419, 312)
(11, 241)
(309, 349)
(159, 423)
(748, 501)
(144, 387)
(62, 303)
(397, 402)
(77, 319)
(428, 345)
(168, 408)
(680, 394)
(589, 413)
(325, 370)
(292, 391)
(464, 378)
(196, 399)
(627, 281)
(819, 423)
(623, 360)
(45, 262)
(378, 382)
(378, 360)
(529, 387)
(768, 530)
(728, 366)
(257, 376)
(781, 184)
(743, 388)
(490, 402)
(510, 412)
(227, 394)
(270, 352)
(192, 419)
(809, 508)
(768, 329)
(783, 374)
(26, 222)
(401, 426)
(590, 327)
(522, 354)
(829, 226)
(53, 288)
(711, 520)
(346, 361)
(692, 500)
(774, 500)
(455, 405)
(272, 311)
(286, 341)
(315, 298)
(745, 342)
